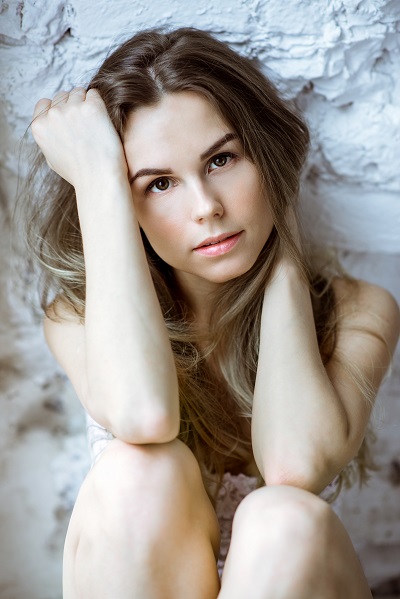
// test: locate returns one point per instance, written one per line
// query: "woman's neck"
(198, 295)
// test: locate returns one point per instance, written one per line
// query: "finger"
(41, 106)
(78, 94)
(93, 95)
(60, 97)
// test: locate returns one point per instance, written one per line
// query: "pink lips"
(218, 247)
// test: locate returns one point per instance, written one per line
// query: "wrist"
(102, 182)
(287, 280)
(286, 269)
(105, 201)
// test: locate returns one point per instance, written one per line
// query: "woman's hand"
(77, 137)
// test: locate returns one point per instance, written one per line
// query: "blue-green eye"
(161, 184)
(220, 160)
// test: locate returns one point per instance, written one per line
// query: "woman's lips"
(222, 247)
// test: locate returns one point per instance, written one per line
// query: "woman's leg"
(288, 543)
(142, 527)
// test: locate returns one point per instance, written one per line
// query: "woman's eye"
(158, 185)
(220, 160)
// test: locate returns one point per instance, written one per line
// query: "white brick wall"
(340, 60)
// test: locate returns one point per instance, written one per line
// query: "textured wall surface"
(340, 60)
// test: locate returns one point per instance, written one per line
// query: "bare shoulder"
(368, 307)
(59, 316)
(368, 324)
(61, 312)
(65, 336)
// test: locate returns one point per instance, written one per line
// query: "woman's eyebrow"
(218, 144)
(146, 172)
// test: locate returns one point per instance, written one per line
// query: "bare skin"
(143, 525)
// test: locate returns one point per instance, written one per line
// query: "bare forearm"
(131, 376)
(298, 419)
(122, 366)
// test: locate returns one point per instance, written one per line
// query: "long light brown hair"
(216, 404)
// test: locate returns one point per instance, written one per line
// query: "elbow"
(148, 427)
(312, 475)
(311, 466)
(282, 474)
(139, 425)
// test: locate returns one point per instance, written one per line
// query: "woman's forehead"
(172, 110)
(183, 121)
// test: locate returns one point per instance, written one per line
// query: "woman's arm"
(120, 361)
(309, 420)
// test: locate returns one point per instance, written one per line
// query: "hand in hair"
(77, 137)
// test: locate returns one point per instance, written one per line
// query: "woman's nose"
(206, 203)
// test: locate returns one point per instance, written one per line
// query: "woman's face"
(197, 198)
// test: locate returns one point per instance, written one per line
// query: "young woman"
(202, 342)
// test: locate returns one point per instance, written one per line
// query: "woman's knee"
(142, 491)
(124, 469)
(283, 529)
(284, 516)
(287, 534)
